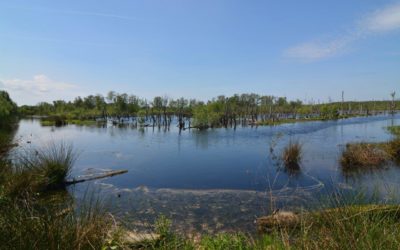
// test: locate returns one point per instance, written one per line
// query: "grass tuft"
(363, 155)
(292, 155)
(395, 130)
(37, 171)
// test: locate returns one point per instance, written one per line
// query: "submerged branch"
(95, 176)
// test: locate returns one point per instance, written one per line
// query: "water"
(215, 180)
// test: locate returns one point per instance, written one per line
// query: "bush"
(8, 110)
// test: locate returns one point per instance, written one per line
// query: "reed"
(292, 154)
(363, 155)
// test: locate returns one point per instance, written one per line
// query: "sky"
(310, 50)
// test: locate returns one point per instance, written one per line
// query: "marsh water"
(219, 179)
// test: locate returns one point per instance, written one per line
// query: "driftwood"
(95, 176)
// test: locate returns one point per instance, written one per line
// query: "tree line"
(8, 109)
(222, 111)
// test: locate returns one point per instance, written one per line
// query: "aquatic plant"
(45, 168)
(395, 130)
(363, 155)
(292, 154)
(393, 149)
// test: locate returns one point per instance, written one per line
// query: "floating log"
(95, 176)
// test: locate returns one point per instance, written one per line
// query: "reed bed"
(363, 155)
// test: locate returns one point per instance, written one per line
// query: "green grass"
(82, 122)
(50, 123)
(349, 227)
(395, 130)
(47, 123)
(293, 120)
(37, 213)
(48, 167)
(30, 223)
(345, 226)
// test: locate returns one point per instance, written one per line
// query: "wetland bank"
(198, 187)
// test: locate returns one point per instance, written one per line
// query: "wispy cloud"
(82, 13)
(385, 19)
(98, 14)
(53, 40)
(39, 88)
(382, 20)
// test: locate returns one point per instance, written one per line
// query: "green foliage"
(8, 109)
(221, 111)
(201, 117)
(329, 111)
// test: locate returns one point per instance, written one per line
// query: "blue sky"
(311, 50)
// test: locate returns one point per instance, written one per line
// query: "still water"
(215, 180)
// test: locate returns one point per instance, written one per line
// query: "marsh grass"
(358, 155)
(48, 167)
(340, 223)
(58, 123)
(35, 213)
(29, 224)
(170, 240)
(348, 222)
(47, 123)
(363, 155)
(393, 149)
(292, 154)
(395, 130)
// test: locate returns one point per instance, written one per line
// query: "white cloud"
(39, 88)
(383, 20)
(312, 51)
(386, 19)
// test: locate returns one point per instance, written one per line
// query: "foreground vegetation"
(37, 212)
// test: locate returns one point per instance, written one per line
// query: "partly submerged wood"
(95, 176)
